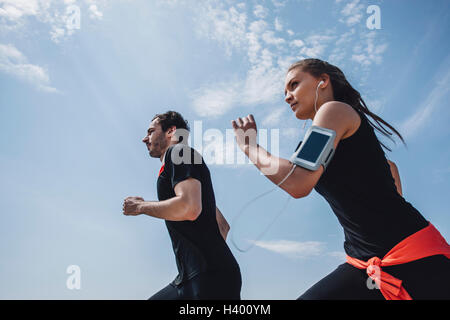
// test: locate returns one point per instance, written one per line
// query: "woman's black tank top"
(359, 187)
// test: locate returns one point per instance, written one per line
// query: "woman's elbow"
(297, 194)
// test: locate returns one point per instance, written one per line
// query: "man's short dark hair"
(171, 118)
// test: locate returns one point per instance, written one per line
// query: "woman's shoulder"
(348, 118)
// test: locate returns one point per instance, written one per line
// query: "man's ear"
(171, 133)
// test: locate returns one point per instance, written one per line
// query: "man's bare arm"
(224, 227)
(186, 205)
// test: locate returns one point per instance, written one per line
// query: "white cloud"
(94, 12)
(293, 248)
(316, 45)
(56, 34)
(296, 249)
(226, 26)
(258, 26)
(277, 24)
(376, 105)
(57, 15)
(337, 56)
(241, 5)
(364, 47)
(262, 84)
(412, 126)
(297, 43)
(10, 53)
(279, 3)
(274, 117)
(215, 101)
(266, 50)
(352, 13)
(14, 62)
(284, 62)
(221, 149)
(15, 9)
(270, 38)
(260, 11)
(291, 133)
(371, 52)
(264, 81)
(340, 255)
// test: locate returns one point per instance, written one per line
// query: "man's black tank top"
(359, 187)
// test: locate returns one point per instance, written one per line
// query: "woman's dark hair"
(344, 92)
(171, 118)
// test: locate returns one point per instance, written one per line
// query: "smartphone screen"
(313, 146)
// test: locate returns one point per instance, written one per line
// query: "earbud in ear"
(320, 83)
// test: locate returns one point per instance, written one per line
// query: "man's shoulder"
(183, 154)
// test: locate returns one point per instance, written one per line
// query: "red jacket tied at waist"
(424, 243)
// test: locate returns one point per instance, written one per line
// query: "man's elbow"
(225, 227)
(193, 211)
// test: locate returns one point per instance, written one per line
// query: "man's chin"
(154, 154)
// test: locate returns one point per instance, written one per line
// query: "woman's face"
(300, 93)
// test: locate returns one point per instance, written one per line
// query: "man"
(207, 268)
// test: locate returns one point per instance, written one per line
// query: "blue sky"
(76, 102)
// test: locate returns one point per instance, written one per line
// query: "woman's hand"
(245, 132)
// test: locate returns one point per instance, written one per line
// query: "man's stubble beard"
(161, 145)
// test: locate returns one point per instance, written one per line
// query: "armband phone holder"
(316, 149)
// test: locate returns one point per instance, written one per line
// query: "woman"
(386, 238)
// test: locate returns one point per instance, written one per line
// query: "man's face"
(156, 140)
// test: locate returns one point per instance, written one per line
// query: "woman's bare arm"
(396, 176)
(332, 115)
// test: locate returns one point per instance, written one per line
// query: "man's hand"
(131, 206)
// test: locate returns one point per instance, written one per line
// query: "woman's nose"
(288, 98)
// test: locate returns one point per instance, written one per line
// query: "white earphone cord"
(315, 102)
(236, 218)
(317, 91)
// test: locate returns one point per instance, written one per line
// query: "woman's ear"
(325, 79)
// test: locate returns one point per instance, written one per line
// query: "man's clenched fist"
(131, 206)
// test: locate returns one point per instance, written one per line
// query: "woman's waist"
(376, 240)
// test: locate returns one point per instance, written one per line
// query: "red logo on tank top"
(161, 170)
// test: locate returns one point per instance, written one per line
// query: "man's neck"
(164, 153)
